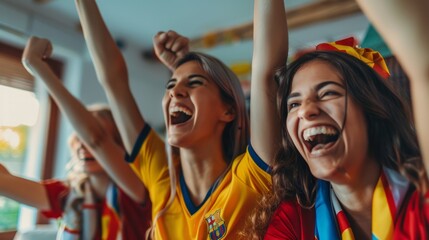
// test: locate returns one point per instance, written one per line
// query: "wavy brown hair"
(391, 135)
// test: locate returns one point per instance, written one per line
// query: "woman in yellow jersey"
(204, 183)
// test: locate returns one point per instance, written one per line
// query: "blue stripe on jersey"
(261, 164)
(186, 196)
(140, 139)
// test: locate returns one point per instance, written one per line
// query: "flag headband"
(367, 55)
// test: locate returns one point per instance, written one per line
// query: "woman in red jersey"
(351, 166)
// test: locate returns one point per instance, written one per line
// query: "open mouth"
(179, 115)
(84, 155)
(320, 137)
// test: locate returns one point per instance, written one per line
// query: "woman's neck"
(356, 196)
(99, 183)
(201, 167)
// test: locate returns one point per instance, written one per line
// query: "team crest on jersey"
(216, 226)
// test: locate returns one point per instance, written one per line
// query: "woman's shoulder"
(292, 210)
(291, 221)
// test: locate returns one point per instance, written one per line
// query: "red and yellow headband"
(367, 55)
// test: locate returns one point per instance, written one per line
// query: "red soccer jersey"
(291, 221)
(133, 221)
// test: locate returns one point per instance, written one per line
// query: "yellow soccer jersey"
(225, 209)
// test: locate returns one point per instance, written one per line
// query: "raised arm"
(403, 25)
(111, 72)
(22, 190)
(100, 143)
(270, 51)
(170, 47)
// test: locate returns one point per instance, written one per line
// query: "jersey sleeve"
(135, 218)
(253, 171)
(57, 193)
(148, 158)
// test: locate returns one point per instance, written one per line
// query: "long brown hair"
(391, 135)
(236, 133)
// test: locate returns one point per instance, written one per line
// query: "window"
(18, 112)
(19, 109)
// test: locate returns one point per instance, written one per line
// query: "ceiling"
(136, 22)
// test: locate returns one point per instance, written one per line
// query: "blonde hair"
(100, 111)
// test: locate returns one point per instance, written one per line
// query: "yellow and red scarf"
(332, 223)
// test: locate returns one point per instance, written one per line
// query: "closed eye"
(292, 105)
(170, 84)
(329, 94)
(195, 83)
(329, 89)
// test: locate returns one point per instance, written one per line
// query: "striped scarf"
(82, 215)
(332, 223)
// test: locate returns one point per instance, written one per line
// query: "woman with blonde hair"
(88, 204)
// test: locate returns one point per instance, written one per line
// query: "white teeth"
(309, 133)
(175, 109)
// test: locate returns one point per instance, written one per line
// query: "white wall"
(147, 80)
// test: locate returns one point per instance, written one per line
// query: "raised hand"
(101, 145)
(170, 47)
(37, 49)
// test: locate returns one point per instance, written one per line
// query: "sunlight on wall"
(9, 137)
(17, 107)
